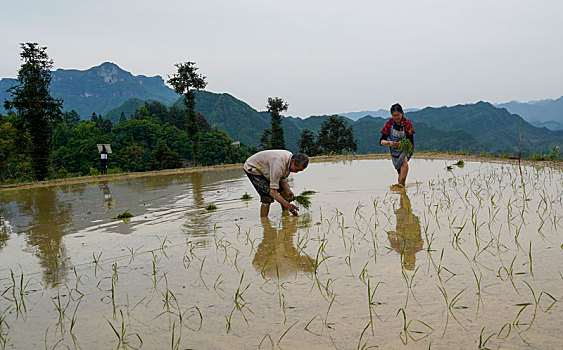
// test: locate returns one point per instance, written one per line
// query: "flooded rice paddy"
(470, 257)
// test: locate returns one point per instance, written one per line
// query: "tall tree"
(265, 139)
(307, 143)
(336, 136)
(71, 118)
(275, 106)
(37, 111)
(184, 82)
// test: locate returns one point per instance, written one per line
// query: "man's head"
(299, 162)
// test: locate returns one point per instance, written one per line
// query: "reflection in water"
(50, 221)
(276, 255)
(406, 239)
(4, 233)
(109, 202)
(197, 224)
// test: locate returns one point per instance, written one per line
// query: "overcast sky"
(321, 56)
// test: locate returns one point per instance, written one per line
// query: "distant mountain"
(381, 113)
(547, 113)
(474, 128)
(494, 128)
(480, 127)
(99, 89)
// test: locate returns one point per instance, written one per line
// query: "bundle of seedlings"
(406, 146)
(303, 199)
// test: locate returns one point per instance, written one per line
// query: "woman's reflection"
(406, 239)
(276, 255)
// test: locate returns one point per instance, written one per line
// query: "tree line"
(39, 141)
(334, 137)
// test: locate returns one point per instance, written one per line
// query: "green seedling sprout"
(125, 215)
(211, 207)
(123, 337)
(246, 197)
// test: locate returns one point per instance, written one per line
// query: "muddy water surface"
(467, 257)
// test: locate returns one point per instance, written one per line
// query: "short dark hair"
(301, 159)
(397, 108)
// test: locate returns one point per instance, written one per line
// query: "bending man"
(268, 172)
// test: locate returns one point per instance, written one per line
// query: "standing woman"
(397, 128)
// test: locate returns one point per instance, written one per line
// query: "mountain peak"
(110, 72)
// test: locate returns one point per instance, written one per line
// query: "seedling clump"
(246, 197)
(303, 198)
(406, 146)
(125, 215)
(211, 207)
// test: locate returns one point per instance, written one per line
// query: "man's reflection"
(276, 255)
(109, 202)
(406, 239)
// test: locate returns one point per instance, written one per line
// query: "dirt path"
(318, 159)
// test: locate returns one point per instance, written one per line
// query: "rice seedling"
(124, 339)
(286, 331)
(406, 334)
(364, 346)
(372, 303)
(175, 343)
(211, 207)
(60, 307)
(530, 256)
(125, 215)
(264, 338)
(553, 301)
(4, 330)
(246, 197)
(483, 343)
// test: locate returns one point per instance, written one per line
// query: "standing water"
(469, 257)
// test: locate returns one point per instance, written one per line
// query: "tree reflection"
(50, 221)
(407, 238)
(197, 224)
(276, 255)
